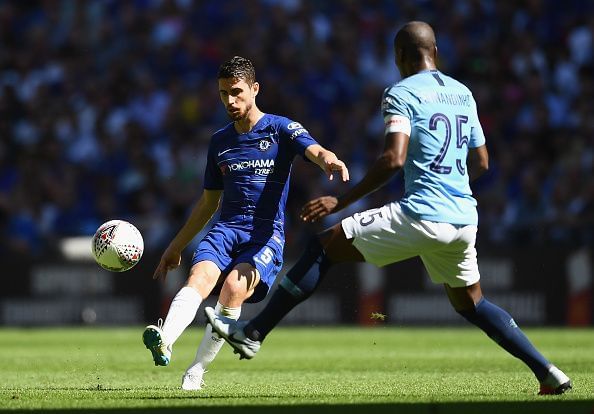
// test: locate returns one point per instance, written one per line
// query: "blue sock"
(297, 285)
(500, 326)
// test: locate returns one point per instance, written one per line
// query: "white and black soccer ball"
(117, 245)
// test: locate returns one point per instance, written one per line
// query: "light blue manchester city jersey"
(444, 124)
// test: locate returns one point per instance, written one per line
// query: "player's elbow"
(393, 160)
(483, 166)
(478, 161)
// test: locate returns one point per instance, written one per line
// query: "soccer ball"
(117, 245)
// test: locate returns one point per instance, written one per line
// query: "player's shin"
(211, 342)
(297, 285)
(501, 327)
(182, 312)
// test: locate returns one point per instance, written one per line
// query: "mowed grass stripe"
(312, 369)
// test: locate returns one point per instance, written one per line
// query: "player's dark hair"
(238, 68)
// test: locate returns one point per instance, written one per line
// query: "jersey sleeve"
(213, 177)
(477, 136)
(299, 137)
(396, 110)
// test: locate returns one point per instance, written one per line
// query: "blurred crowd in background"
(107, 107)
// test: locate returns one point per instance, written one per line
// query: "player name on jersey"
(446, 98)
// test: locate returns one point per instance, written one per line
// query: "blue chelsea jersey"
(444, 124)
(253, 170)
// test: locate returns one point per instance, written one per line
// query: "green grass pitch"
(298, 370)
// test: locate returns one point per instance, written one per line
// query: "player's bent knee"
(233, 293)
(338, 248)
(324, 238)
(464, 299)
(241, 280)
(327, 237)
(233, 286)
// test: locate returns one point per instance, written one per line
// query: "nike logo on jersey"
(225, 151)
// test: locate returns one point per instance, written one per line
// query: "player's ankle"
(251, 332)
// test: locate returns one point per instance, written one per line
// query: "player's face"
(238, 97)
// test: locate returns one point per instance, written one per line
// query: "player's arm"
(327, 161)
(201, 213)
(383, 169)
(478, 162)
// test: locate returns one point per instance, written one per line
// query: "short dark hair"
(238, 68)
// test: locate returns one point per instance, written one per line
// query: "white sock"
(181, 313)
(211, 342)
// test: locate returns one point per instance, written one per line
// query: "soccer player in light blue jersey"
(247, 176)
(432, 132)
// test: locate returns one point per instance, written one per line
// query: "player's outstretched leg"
(159, 339)
(501, 327)
(208, 349)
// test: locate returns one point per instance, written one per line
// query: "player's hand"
(333, 165)
(318, 208)
(170, 260)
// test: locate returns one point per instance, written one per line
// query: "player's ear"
(256, 88)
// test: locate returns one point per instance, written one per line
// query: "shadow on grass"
(540, 407)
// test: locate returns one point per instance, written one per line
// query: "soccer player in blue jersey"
(247, 175)
(432, 132)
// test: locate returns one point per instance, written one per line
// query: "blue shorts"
(227, 246)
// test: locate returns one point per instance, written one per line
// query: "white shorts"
(387, 235)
